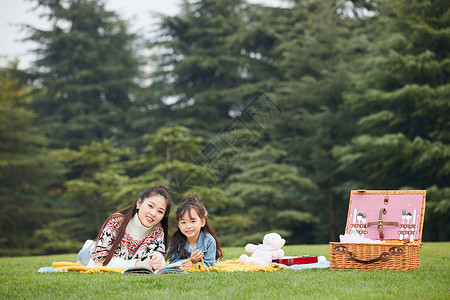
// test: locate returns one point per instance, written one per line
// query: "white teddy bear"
(263, 254)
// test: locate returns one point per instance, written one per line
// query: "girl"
(195, 239)
(134, 236)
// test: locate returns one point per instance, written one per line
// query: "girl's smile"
(190, 225)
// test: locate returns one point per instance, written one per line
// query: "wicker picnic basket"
(393, 217)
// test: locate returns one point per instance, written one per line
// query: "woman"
(133, 236)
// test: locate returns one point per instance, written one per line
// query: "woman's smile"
(151, 210)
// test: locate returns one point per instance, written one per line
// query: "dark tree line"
(270, 115)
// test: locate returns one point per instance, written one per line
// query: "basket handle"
(384, 256)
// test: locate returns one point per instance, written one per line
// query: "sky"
(138, 12)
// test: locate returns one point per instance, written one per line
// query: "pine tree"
(97, 177)
(28, 170)
(202, 73)
(311, 47)
(85, 70)
(403, 104)
(271, 192)
(171, 157)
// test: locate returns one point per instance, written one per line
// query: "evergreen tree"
(85, 69)
(202, 72)
(28, 170)
(171, 158)
(311, 48)
(272, 193)
(98, 175)
(403, 104)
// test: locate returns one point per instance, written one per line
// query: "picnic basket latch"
(380, 223)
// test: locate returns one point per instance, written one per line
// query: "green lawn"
(19, 280)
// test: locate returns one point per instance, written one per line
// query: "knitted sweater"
(138, 243)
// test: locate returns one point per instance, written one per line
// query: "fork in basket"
(364, 222)
(403, 223)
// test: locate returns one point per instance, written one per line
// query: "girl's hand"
(196, 256)
(186, 264)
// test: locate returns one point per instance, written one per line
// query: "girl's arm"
(176, 258)
(209, 258)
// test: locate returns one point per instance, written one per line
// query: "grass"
(19, 280)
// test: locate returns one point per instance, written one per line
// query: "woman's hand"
(156, 262)
(145, 263)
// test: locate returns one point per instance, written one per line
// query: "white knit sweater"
(138, 243)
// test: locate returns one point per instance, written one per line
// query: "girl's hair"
(178, 239)
(129, 211)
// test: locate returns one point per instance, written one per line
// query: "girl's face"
(190, 225)
(151, 210)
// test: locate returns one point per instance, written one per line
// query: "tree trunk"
(442, 230)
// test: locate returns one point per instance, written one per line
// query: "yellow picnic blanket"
(70, 266)
(233, 265)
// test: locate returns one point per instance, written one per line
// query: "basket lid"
(387, 215)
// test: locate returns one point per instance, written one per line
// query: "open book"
(174, 268)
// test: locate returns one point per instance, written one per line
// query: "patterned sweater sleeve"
(106, 239)
(154, 242)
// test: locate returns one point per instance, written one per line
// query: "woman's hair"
(128, 213)
(178, 239)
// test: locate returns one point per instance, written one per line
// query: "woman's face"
(151, 210)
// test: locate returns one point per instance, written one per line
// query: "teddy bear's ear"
(282, 242)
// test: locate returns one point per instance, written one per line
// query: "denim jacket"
(205, 243)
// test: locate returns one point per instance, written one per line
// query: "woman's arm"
(151, 252)
(106, 240)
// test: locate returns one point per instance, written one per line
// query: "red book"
(295, 260)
